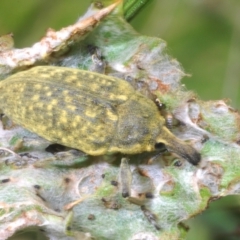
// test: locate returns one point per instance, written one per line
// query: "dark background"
(203, 35)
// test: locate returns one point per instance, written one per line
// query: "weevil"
(92, 112)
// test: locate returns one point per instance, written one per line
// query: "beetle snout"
(191, 155)
(185, 151)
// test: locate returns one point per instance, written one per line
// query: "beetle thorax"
(139, 124)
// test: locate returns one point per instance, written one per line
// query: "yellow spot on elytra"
(63, 120)
(42, 128)
(71, 107)
(75, 124)
(90, 113)
(91, 76)
(30, 108)
(64, 140)
(39, 105)
(64, 113)
(23, 112)
(37, 86)
(77, 119)
(21, 89)
(48, 94)
(49, 107)
(111, 116)
(64, 117)
(65, 92)
(43, 75)
(70, 138)
(54, 102)
(35, 97)
(68, 98)
(121, 97)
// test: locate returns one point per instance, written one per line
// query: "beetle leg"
(169, 120)
(15, 160)
(153, 158)
(125, 178)
(9, 151)
(6, 122)
(161, 106)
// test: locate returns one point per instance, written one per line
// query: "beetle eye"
(160, 146)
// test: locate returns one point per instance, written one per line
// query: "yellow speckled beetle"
(88, 111)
